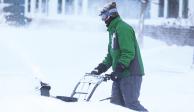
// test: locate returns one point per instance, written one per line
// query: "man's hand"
(114, 76)
(118, 70)
(95, 72)
(99, 69)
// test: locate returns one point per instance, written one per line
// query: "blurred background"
(58, 41)
(174, 17)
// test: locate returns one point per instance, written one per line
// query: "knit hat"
(109, 10)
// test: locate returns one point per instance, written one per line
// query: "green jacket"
(123, 48)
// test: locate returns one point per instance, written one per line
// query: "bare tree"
(193, 57)
(2, 19)
(192, 65)
(144, 4)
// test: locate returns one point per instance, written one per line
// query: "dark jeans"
(126, 93)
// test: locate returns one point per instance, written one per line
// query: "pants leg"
(130, 90)
(116, 95)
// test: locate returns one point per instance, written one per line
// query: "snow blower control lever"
(83, 90)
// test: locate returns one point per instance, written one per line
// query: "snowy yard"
(61, 52)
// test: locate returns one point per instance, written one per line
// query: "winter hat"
(109, 11)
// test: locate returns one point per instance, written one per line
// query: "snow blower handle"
(105, 77)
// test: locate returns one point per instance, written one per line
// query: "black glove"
(120, 68)
(99, 69)
(114, 76)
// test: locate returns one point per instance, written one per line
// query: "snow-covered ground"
(62, 51)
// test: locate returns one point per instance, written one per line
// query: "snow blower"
(83, 90)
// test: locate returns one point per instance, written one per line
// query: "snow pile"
(44, 104)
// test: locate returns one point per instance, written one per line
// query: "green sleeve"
(108, 59)
(126, 44)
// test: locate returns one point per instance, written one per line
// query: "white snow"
(62, 51)
(44, 104)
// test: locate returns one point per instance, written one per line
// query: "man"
(125, 59)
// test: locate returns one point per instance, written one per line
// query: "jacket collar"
(113, 23)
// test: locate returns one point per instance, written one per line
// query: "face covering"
(106, 14)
